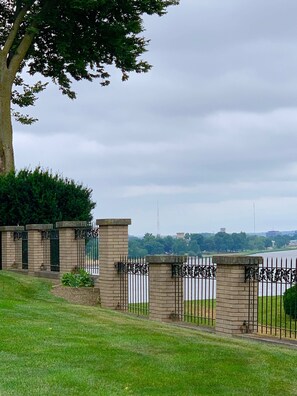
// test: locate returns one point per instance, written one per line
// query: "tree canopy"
(66, 40)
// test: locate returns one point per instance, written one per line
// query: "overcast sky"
(208, 135)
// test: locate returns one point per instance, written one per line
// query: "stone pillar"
(165, 290)
(35, 247)
(236, 298)
(9, 246)
(69, 259)
(113, 237)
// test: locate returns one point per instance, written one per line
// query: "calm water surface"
(284, 254)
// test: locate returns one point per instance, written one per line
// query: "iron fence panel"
(21, 252)
(196, 279)
(134, 285)
(51, 250)
(88, 249)
(272, 279)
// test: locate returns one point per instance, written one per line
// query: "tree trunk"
(12, 54)
(6, 141)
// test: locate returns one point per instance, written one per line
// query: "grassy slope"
(50, 347)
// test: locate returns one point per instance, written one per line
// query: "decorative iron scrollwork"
(194, 271)
(270, 274)
(87, 233)
(49, 234)
(134, 268)
(17, 235)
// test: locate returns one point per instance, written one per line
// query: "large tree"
(65, 40)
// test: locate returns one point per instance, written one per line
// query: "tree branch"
(14, 30)
(28, 38)
(20, 53)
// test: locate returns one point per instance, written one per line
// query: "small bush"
(290, 302)
(79, 278)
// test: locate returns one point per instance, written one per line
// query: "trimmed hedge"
(39, 197)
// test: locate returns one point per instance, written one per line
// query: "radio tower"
(254, 207)
(158, 220)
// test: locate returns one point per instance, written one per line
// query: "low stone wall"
(47, 275)
(78, 295)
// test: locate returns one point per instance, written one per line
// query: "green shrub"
(77, 278)
(40, 196)
(290, 302)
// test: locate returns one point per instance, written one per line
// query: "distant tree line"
(196, 244)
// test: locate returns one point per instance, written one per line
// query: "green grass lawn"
(272, 318)
(50, 347)
(199, 312)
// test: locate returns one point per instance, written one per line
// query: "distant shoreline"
(253, 252)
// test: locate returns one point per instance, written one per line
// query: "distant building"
(272, 234)
(180, 235)
(293, 242)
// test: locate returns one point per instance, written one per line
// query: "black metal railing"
(271, 281)
(195, 288)
(88, 249)
(134, 285)
(21, 255)
(51, 250)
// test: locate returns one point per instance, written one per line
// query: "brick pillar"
(236, 299)
(165, 290)
(9, 259)
(69, 256)
(113, 238)
(35, 246)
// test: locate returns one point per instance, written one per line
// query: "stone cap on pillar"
(71, 224)
(233, 259)
(113, 222)
(165, 259)
(11, 228)
(39, 227)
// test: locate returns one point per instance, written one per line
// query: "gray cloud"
(207, 133)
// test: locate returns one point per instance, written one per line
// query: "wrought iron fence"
(134, 285)
(88, 249)
(21, 248)
(196, 280)
(269, 284)
(51, 250)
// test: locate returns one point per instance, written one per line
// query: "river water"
(205, 289)
(284, 254)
